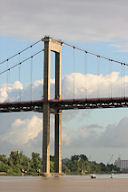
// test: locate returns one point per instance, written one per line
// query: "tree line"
(77, 164)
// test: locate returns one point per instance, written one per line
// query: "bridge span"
(64, 104)
(52, 51)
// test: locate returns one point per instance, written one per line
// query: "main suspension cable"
(94, 54)
(21, 62)
(20, 52)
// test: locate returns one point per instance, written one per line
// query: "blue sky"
(103, 117)
(95, 26)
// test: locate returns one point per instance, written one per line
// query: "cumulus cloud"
(75, 85)
(80, 85)
(25, 132)
(73, 20)
(22, 131)
(97, 136)
(10, 89)
(116, 135)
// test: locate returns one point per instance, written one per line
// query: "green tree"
(83, 157)
(75, 157)
(24, 162)
(14, 158)
(3, 159)
(3, 167)
(36, 161)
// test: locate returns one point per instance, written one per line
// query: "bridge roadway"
(64, 104)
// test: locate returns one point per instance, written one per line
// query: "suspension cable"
(31, 76)
(62, 42)
(86, 71)
(20, 52)
(94, 54)
(20, 62)
(123, 80)
(74, 66)
(19, 79)
(98, 76)
(111, 83)
(7, 80)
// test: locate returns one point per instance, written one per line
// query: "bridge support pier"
(55, 46)
(46, 139)
(58, 161)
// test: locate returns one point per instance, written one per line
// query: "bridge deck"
(65, 104)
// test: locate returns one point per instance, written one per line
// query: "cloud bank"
(75, 85)
(95, 20)
(25, 131)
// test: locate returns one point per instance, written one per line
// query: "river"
(103, 183)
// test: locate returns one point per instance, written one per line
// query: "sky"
(98, 26)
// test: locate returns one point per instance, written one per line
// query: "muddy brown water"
(63, 184)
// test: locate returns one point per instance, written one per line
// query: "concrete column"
(58, 161)
(55, 46)
(46, 109)
(46, 139)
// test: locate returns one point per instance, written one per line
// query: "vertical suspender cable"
(109, 80)
(111, 83)
(62, 94)
(124, 80)
(7, 79)
(121, 80)
(42, 77)
(86, 71)
(19, 70)
(98, 76)
(74, 70)
(31, 76)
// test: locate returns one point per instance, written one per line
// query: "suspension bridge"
(58, 103)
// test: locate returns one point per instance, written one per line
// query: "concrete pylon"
(58, 161)
(55, 46)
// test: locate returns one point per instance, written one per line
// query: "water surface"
(103, 183)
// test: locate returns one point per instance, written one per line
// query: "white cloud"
(96, 136)
(80, 85)
(22, 131)
(25, 133)
(76, 85)
(11, 89)
(115, 135)
(98, 141)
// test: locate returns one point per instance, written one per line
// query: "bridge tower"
(56, 47)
